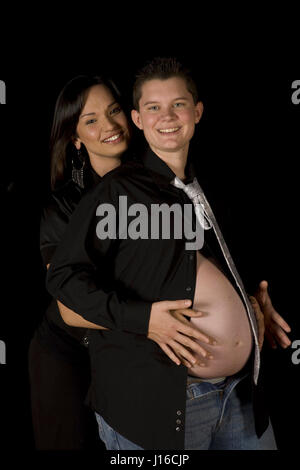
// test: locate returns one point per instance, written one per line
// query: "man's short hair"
(162, 68)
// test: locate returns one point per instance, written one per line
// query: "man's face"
(167, 114)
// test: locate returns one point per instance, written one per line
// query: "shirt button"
(178, 412)
(178, 421)
(188, 289)
(178, 428)
(191, 257)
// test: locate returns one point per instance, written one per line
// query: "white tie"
(195, 193)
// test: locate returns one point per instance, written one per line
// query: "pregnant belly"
(224, 318)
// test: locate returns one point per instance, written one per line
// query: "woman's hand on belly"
(187, 357)
(187, 344)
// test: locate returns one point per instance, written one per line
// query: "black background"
(249, 136)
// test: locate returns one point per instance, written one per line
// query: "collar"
(161, 173)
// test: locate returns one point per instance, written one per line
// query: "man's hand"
(260, 321)
(275, 326)
(174, 333)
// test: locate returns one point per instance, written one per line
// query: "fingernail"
(187, 302)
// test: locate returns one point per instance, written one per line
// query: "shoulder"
(65, 198)
(128, 170)
(119, 180)
(60, 205)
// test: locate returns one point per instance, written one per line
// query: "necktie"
(197, 196)
(192, 191)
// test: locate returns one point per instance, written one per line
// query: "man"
(131, 285)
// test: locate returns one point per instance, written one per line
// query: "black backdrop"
(248, 137)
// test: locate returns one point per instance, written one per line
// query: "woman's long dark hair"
(68, 108)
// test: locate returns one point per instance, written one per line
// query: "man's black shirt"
(137, 389)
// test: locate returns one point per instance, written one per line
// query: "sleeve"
(52, 227)
(81, 262)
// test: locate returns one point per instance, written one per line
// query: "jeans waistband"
(191, 379)
(197, 389)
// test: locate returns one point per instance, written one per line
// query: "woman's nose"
(109, 123)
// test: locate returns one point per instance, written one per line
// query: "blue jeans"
(217, 418)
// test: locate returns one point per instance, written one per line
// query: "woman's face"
(102, 126)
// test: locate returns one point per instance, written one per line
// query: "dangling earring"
(77, 173)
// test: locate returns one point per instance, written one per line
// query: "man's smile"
(170, 130)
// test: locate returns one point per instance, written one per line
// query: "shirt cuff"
(136, 316)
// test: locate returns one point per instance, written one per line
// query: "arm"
(73, 279)
(73, 319)
(54, 220)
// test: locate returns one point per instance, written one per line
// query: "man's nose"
(168, 113)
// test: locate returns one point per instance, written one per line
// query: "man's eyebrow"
(90, 114)
(181, 98)
(175, 99)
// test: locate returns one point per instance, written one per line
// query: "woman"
(89, 135)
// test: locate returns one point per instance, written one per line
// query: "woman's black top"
(53, 333)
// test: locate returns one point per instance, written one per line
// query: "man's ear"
(135, 116)
(198, 111)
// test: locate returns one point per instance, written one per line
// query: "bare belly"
(224, 318)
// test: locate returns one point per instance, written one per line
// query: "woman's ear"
(135, 116)
(77, 143)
